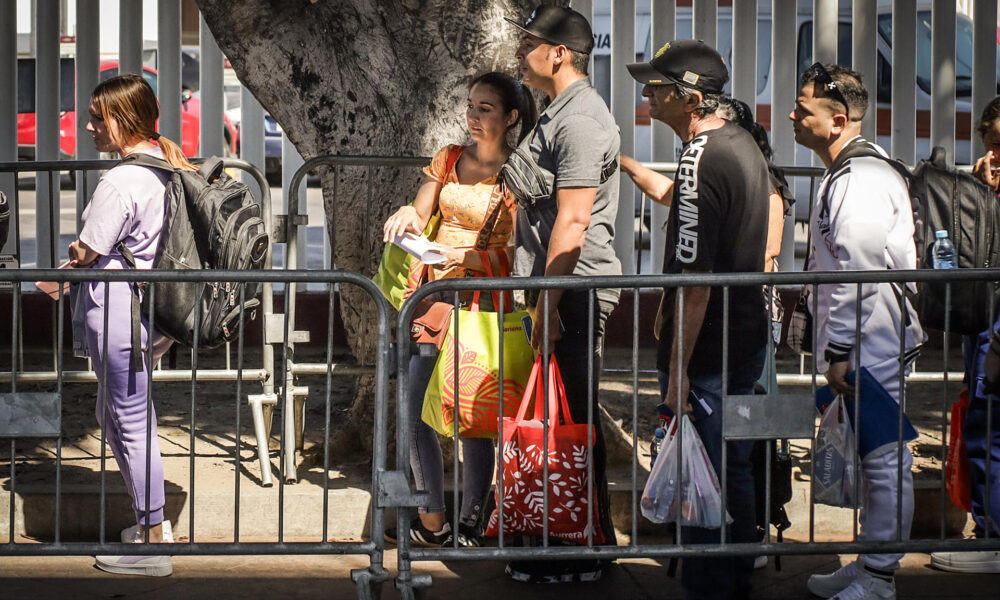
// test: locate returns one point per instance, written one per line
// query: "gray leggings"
(425, 451)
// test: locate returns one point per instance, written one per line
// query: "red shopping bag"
(521, 457)
(957, 471)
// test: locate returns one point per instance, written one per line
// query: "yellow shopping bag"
(478, 374)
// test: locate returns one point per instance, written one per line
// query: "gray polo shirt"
(575, 139)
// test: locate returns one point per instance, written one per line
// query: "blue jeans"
(722, 577)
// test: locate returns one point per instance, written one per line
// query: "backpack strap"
(136, 310)
(211, 168)
(859, 148)
(145, 160)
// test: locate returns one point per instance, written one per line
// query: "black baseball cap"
(690, 62)
(560, 26)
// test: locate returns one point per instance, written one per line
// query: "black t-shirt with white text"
(718, 224)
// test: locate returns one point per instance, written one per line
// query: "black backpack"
(945, 198)
(211, 222)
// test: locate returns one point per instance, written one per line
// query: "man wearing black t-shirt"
(717, 224)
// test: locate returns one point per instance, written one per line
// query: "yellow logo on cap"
(655, 81)
(662, 50)
(691, 78)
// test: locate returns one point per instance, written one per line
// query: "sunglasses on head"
(830, 88)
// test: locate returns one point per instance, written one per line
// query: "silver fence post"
(984, 65)
(210, 134)
(904, 77)
(784, 88)
(129, 37)
(663, 23)
(88, 50)
(705, 21)
(943, 76)
(744, 62)
(168, 67)
(47, 71)
(8, 112)
(623, 109)
(864, 56)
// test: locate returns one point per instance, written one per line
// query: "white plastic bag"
(658, 495)
(833, 463)
(698, 495)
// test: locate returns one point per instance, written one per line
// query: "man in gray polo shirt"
(569, 233)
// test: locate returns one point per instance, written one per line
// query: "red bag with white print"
(521, 456)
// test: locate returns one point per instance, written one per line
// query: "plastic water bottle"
(654, 447)
(944, 251)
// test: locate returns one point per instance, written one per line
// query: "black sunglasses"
(830, 88)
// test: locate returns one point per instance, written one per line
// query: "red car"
(190, 111)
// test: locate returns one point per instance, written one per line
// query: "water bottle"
(654, 446)
(943, 251)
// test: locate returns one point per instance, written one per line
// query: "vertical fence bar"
(857, 403)
(500, 413)
(88, 48)
(150, 422)
(591, 374)
(902, 410)
(237, 458)
(326, 410)
(47, 100)
(723, 475)
(635, 409)
(456, 443)
(251, 136)
(546, 415)
(864, 56)
(60, 332)
(623, 109)
(984, 65)
(129, 36)
(210, 130)
(194, 395)
(663, 14)
(744, 63)
(105, 411)
(945, 405)
(705, 23)
(904, 77)
(678, 343)
(784, 88)
(812, 443)
(8, 113)
(943, 76)
(168, 68)
(989, 525)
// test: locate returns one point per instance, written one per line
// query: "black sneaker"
(554, 571)
(420, 535)
(469, 536)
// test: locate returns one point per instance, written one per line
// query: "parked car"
(26, 126)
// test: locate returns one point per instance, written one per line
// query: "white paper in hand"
(420, 247)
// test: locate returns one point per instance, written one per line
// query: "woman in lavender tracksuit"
(128, 207)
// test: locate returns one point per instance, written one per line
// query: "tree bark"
(365, 77)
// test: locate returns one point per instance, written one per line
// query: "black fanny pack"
(530, 184)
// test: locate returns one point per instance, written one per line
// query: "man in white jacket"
(861, 220)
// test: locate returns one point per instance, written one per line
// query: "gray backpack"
(211, 222)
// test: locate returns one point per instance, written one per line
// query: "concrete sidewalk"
(291, 577)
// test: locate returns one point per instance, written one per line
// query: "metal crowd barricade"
(798, 423)
(21, 418)
(261, 404)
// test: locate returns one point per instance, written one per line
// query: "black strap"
(136, 311)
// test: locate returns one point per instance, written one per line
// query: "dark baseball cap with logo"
(691, 62)
(560, 26)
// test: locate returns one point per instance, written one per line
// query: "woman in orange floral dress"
(461, 183)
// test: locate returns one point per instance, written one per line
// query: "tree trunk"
(365, 77)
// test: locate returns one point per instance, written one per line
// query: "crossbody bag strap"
(135, 310)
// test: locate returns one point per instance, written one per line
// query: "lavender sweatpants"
(126, 395)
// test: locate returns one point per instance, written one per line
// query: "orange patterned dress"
(464, 208)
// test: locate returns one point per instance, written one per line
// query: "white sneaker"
(150, 566)
(867, 587)
(134, 535)
(760, 562)
(826, 586)
(979, 561)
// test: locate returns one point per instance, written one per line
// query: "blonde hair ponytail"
(173, 154)
(129, 102)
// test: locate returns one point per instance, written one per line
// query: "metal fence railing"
(32, 411)
(792, 415)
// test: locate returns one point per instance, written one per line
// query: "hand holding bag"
(522, 465)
